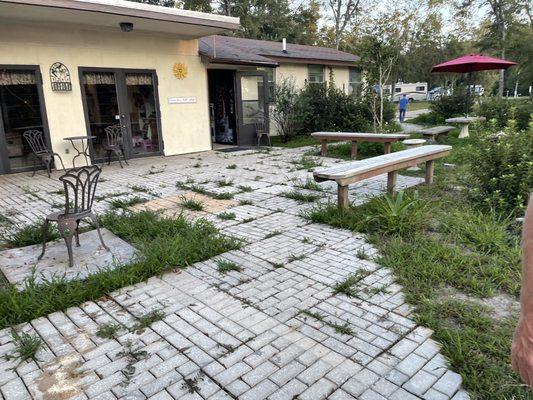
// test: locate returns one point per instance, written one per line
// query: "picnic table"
(386, 138)
(464, 122)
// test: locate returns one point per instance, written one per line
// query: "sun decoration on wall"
(180, 70)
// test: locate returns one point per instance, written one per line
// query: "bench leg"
(354, 150)
(391, 181)
(430, 168)
(324, 148)
(387, 147)
(342, 195)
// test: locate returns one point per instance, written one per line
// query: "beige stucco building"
(77, 68)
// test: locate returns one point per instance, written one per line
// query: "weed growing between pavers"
(163, 244)
(226, 215)
(272, 234)
(343, 329)
(301, 197)
(133, 355)
(309, 184)
(307, 162)
(245, 188)
(224, 182)
(232, 166)
(108, 331)
(246, 203)
(348, 286)
(362, 254)
(448, 243)
(223, 196)
(26, 347)
(224, 266)
(192, 204)
(125, 203)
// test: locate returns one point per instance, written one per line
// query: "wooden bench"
(354, 137)
(356, 171)
(434, 132)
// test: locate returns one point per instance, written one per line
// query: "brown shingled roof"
(235, 50)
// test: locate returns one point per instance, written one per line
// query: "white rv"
(414, 91)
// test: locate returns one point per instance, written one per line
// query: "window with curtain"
(354, 81)
(315, 73)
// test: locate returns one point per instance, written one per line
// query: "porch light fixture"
(126, 26)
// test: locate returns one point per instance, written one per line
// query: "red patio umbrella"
(471, 63)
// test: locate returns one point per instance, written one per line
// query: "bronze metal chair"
(114, 144)
(40, 151)
(80, 187)
(261, 129)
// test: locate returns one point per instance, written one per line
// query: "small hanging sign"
(60, 78)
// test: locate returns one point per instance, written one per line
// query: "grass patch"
(145, 320)
(246, 203)
(225, 266)
(294, 141)
(301, 197)
(28, 235)
(125, 203)
(226, 216)
(437, 239)
(163, 244)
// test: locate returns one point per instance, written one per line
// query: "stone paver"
(272, 330)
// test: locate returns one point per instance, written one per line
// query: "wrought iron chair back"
(36, 142)
(260, 126)
(80, 188)
(113, 136)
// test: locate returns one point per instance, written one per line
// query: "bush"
(502, 168)
(502, 110)
(327, 108)
(452, 106)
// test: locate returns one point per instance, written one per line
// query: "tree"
(197, 5)
(502, 15)
(344, 13)
(380, 48)
(285, 104)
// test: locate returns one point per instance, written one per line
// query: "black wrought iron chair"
(80, 187)
(261, 129)
(114, 144)
(40, 151)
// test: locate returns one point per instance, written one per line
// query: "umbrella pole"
(468, 92)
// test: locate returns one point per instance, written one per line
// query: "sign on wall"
(181, 100)
(60, 78)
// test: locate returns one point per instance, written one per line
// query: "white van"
(414, 91)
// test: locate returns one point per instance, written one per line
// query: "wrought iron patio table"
(84, 142)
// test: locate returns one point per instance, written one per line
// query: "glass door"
(252, 101)
(21, 109)
(102, 109)
(127, 99)
(143, 114)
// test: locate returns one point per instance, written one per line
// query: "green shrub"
(452, 106)
(502, 110)
(502, 169)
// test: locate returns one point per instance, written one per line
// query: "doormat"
(234, 149)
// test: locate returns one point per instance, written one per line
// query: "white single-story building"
(71, 68)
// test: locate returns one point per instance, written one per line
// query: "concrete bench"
(356, 171)
(434, 132)
(354, 137)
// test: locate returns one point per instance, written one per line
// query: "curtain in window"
(98, 78)
(138, 79)
(16, 77)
